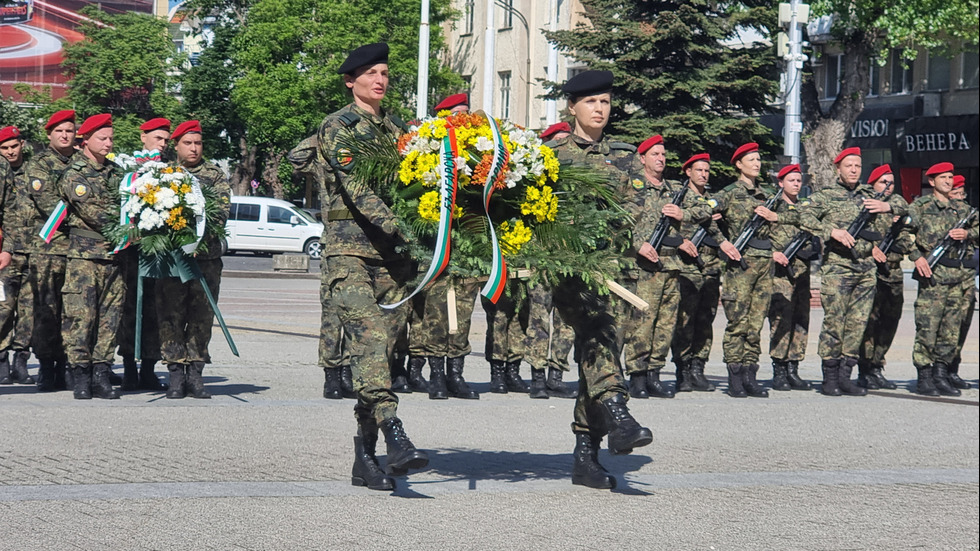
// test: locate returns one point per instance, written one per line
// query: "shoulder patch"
(350, 119)
(637, 183)
(344, 156)
(80, 190)
(36, 185)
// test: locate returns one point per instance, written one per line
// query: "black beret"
(588, 83)
(370, 54)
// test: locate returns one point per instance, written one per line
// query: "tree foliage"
(678, 75)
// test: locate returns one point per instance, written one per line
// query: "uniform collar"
(367, 114)
(588, 146)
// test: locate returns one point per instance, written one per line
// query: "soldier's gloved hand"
(879, 256)
(4, 260)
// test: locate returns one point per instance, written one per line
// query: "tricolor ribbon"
(126, 188)
(448, 182)
(54, 220)
(498, 269)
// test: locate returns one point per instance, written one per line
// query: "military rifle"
(793, 248)
(663, 225)
(937, 254)
(889, 240)
(697, 239)
(859, 223)
(751, 227)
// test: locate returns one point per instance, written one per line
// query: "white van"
(266, 225)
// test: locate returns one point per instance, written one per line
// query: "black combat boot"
(131, 374)
(624, 433)
(416, 381)
(455, 384)
(586, 470)
(498, 377)
(45, 376)
(18, 370)
(638, 385)
(437, 379)
(847, 386)
(366, 470)
(402, 454)
(148, 378)
(831, 377)
(539, 388)
(101, 387)
(5, 378)
(866, 377)
(195, 381)
(556, 387)
(347, 382)
(954, 377)
(925, 385)
(735, 387)
(62, 375)
(655, 388)
(685, 382)
(513, 378)
(749, 383)
(177, 378)
(698, 380)
(82, 381)
(399, 375)
(879, 377)
(780, 380)
(331, 383)
(939, 378)
(793, 376)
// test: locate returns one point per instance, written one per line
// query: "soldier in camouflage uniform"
(699, 284)
(600, 408)
(18, 220)
(94, 288)
(363, 269)
(745, 292)
(886, 310)
(183, 311)
(48, 258)
(506, 332)
(959, 193)
(154, 135)
(789, 307)
(946, 291)
(847, 275)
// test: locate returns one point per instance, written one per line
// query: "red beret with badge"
(787, 170)
(846, 153)
(9, 133)
(695, 158)
(59, 117)
(744, 150)
(939, 168)
(877, 173)
(186, 128)
(158, 123)
(452, 101)
(554, 129)
(649, 142)
(94, 123)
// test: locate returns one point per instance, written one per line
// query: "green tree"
(677, 74)
(868, 29)
(122, 66)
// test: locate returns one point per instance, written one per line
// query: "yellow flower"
(513, 237)
(542, 204)
(551, 164)
(429, 206)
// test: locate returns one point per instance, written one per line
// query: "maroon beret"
(185, 128)
(452, 101)
(849, 151)
(696, 158)
(94, 123)
(788, 169)
(554, 129)
(744, 150)
(939, 168)
(877, 173)
(9, 133)
(650, 142)
(156, 124)
(60, 117)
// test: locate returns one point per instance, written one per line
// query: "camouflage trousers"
(17, 306)
(745, 295)
(355, 288)
(789, 316)
(648, 333)
(126, 335)
(965, 328)
(184, 315)
(549, 339)
(429, 335)
(699, 297)
(597, 351)
(47, 276)
(333, 349)
(93, 296)
(886, 311)
(939, 313)
(846, 296)
(507, 324)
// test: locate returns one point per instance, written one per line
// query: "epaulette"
(556, 142)
(622, 146)
(398, 122)
(79, 164)
(350, 119)
(729, 187)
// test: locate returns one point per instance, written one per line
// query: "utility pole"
(796, 14)
(551, 106)
(422, 93)
(488, 54)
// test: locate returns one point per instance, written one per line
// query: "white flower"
(150, 219)
(484, 144)
(166, 199)
(430, 177)
(133, 205)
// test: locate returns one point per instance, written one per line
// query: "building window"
(875, 89)
(504, 94)
(901, 81)
(508, 6)
(968, 70)
(832, 68)
(468, 13)
(938, 78)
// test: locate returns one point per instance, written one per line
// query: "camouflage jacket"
(835, 207)
(892, 271)
(87, 188)
(19, 217)
(356, 222)
(43, 172)
(737, 204)
(212, 177)
(782, 233)
(6, 184)
(651, 200)
(708, 251)
(931, 220)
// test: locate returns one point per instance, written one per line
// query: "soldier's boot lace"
(513, 378)
(366, 470)
(498, 377)
(437, 378)
(402, 454)
(780, 379)
(624, 432)
(331, 383)
(586, 470)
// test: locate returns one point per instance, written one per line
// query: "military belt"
(82, 232)
(760, 244)
(339, 214)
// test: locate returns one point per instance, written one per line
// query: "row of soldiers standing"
(67, 294)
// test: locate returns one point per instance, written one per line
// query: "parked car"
(266, 225)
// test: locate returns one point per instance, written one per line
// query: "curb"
(248, 274)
